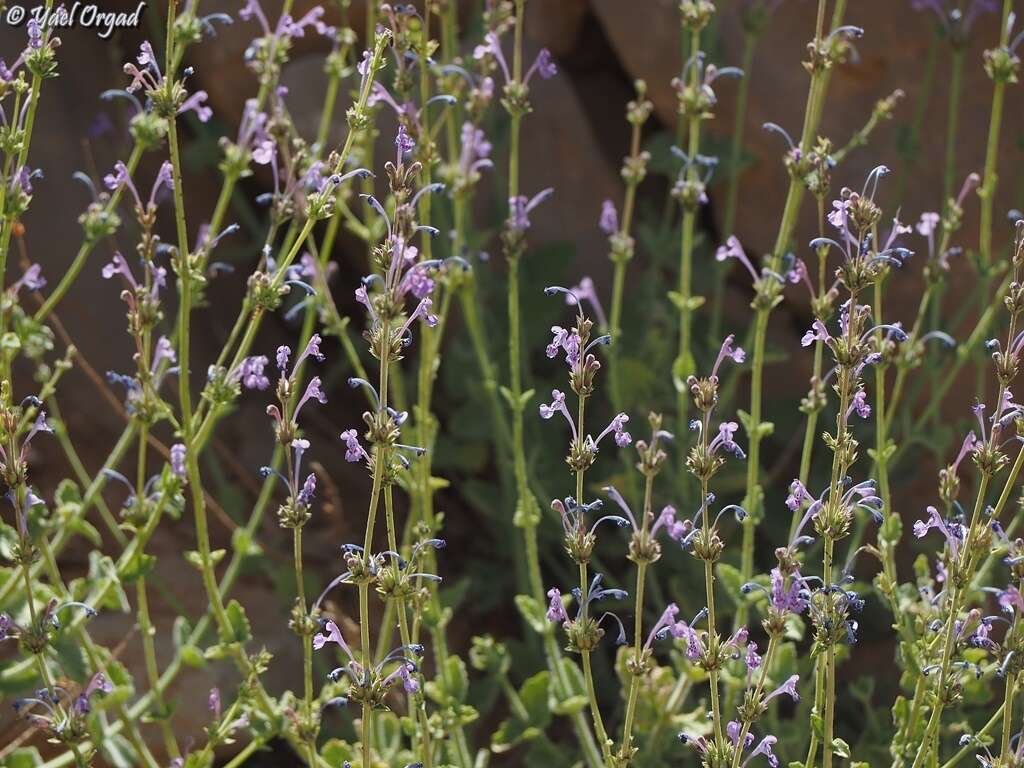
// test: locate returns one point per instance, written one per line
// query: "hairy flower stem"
(381, 458)
(634, 683)
(588, 677)
(811, 426)
(830, 671)
(954, 602)
(417, 709)
(758, 690)
(619, 275)
(145, 624)
(638, 621)
(709, 584)
(753, 496)
(32, 106)
(685, 365)
(307, 647)
(1004, 743)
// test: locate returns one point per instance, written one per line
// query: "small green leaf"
(533, 612)
(840, 748)
(27, 757)
(192, 656)
(534, 696)
(240, 629)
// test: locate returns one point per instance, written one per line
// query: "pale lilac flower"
(586, 291)
(609, 221)
(727, 352)
(354, 451)
(520, 208)
(734, 250)
(178, 460)
(618, 426)
(817, 332)
(197, 103)
(250, 372)
(31, 280)
(475, 152)
(788, 688)
(556, 608)
(557, 405)
(566, 339)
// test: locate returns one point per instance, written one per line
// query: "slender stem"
(684, 359)
(787, 224)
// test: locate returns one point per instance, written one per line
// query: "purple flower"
(35, 34)
(694, 645)
(732, 730)
(859, 404)
(724, 440)
(618, 426)
(840, 212)
(178, 460)
(313, 392)
(556, 609)
(953, 532)
(663, 626)
(403, 142)
(728, 352)
(284, 352)
(797, 496)
(305, 495)
(31, 280)
(752, 660)
(333, 635)
(476, 150)
(250, 372)
(609, 221)
(353, 449)
(542, 65)
(675, 529)
(787, 600)
(586, 291)
(419, 283)
(492, 47)
(98, 683)
(519, 209)
(197, 103)
(121, 178)
(557, 405)
(1011, 601)
(409, 683)
(734, 250)
(788, 688)
(564, 339)
(765, 748)
(213, 703)
(817, 332)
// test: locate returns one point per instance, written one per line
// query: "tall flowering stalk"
(696, 101)
(802, 162)
(577, 345)
(619, 227)
(704, 461)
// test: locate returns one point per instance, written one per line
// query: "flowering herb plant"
(676, 593)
